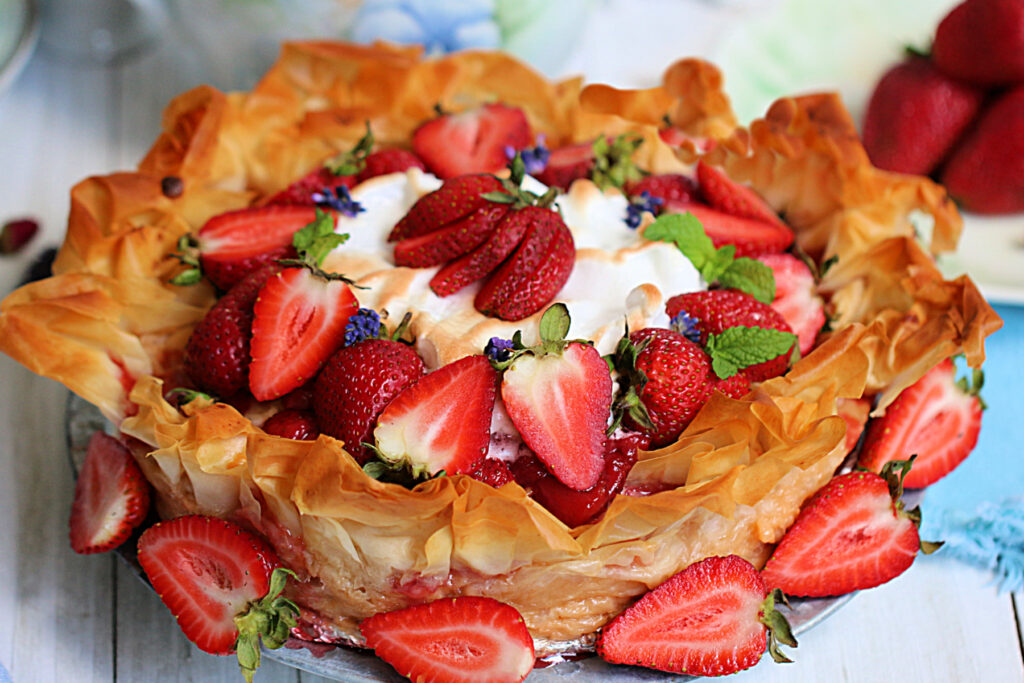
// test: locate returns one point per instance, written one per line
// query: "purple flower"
(639, 204)
(364, 324)
(535, 159)
(686, 325)
(339, 199)
(498, 349)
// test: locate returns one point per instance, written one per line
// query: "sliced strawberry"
(111, 497)
(673, 189)
(208, 571)
(708, 620)
(750, 237)
(468, 639)
(535, 273)
(455, 199)
(849, 536)
(233, 244)
(473, 141)
(442, 421)
(560, 404)
(935, 419)
(452, 241)
(574, 507)
(292, 424)
(796, 297)
(217, 353)
(482, 260)
(567, 164)
(387, 161)
(298, 321)
(356, 384)
(717, 310)
(854, 412)
(725, 194)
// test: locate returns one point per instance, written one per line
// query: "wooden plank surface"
(71, 618)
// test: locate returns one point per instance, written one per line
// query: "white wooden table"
(71, 618)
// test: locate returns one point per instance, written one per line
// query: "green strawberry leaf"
(740, 347)
(714, 265)
(554, 324)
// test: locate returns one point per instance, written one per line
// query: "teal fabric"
(978, 509)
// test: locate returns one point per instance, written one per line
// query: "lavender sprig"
(643, 202)
(339, 199)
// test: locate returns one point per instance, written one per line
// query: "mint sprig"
(715, 265)
(740, 347)
(317, 239)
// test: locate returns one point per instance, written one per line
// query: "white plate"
(18, 33)
(802, 46)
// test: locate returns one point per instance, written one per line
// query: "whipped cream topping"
(618, 278)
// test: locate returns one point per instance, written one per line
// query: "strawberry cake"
(438, 328)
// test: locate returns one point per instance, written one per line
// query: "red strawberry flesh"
(796, 298)
(298, 322)
(567, 165)
(750, 237)
(452, 277)
(460, 640)
(473, 141)
(206, 570)
(292, 424)
(111, 497)
(848, 537)
(703, 621)
(725, 194)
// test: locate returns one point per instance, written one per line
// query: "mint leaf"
(554, 324)
(317, 239)
(751, 276)
(714, 265)
(740, 347)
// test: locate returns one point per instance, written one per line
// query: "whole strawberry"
(985, 171)
(715, 311)
(671, 378)
(982, 42)
(217, 353)
(915, 116)
(355, 386)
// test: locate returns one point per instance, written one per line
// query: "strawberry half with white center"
(472, 141)
(111, 497)
(489, 228)
(300, 315)
(714, 618)
(796, 297)
(853, 534)
(231, 245)
(725, 194)
(559, 395)
(441, 422)
(936, 418)
(467, 639)
(221, 584)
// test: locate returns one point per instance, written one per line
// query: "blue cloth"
(4, 676)
(978, 509)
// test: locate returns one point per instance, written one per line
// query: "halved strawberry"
(851, 535)
(751, 237)
(442, 421)
(459, 640)
(558, 396)
(472, 141)
(481, 261)
(854, 412)
(567, 164)
(452, 241)
(537, 270)
(725, 194)
(711, 619)
(356, 384)
(455, 199)
(676, 191)
(796, 297)
(298, 322)
(717, 310)
(220, 583)
(936, 418)
(111, 497)
(233, 244)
